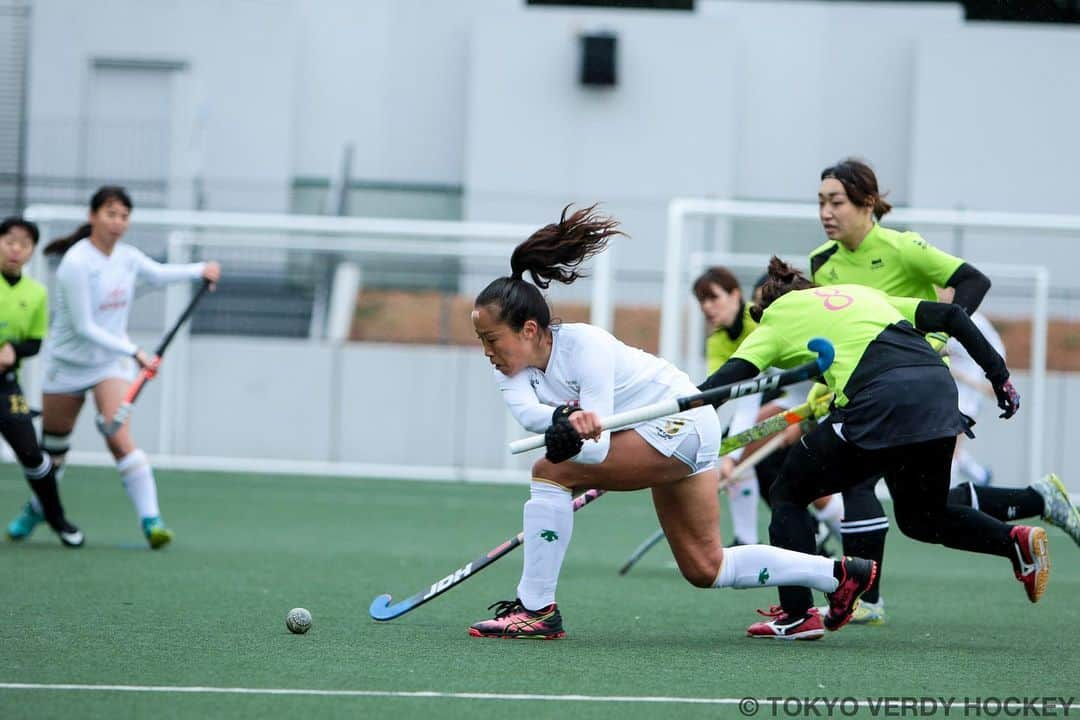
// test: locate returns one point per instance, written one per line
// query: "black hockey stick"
(382, 610)
(111, 427)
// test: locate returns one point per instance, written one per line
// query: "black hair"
(552, 253)
(105, 194)
(715, 275)
(781, 279)
(860, 184)
(17, 222)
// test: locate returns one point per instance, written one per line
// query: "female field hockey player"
(560, 379)
(89, 350)
(895, 416)
(24, 313)
(721, 301)
(902, 264)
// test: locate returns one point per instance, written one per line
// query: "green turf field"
(209, 612)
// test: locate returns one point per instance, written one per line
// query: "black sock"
(1001, 503)
(793, 528)
(49, 496)
(869, 545)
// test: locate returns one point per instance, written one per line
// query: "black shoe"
(70, 535)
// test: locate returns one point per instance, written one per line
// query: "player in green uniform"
(722, 303)
(24, 314)
(895, 416)
(903, 264)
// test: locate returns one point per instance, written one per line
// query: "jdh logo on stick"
(449, 580)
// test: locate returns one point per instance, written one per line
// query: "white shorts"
(692, 436)
(63, 378)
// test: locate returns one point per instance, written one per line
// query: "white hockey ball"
(298, 621)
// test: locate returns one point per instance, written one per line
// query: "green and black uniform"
(896, 414)
(900, 264)
(719, 347)
(24, 317)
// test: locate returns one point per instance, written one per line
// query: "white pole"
(343, 291)
(602, 312)
(1038, 373)
(671, 295)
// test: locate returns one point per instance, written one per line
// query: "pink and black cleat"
(513, 621)
(1031, 559)
(785, 627)
(855, 576)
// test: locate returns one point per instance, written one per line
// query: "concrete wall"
(419, 407)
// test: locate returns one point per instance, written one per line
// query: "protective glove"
(561, 439)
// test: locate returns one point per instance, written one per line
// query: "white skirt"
(692, 436)
(63, 378)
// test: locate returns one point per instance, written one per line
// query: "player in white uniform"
(559, 380)
(88, 347)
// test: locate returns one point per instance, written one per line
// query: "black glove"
(1007, 397)
(561, 439)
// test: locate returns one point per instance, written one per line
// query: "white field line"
(747, 706)
(421, 694)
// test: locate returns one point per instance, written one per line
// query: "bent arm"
(971, 287)
(521, 399)
(75, 286)
(951, 318)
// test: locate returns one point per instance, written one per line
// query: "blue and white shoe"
(156, 533)
(1058, 509)
(21, 527)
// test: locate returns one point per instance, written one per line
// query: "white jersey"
(93, 298)
(591, 366)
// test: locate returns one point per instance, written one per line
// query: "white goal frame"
(355, 235)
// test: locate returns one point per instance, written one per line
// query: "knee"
(700, 573)
(919, 526)
(561, 474)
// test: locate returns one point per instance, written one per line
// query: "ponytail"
(861, 185)
(552, 253)
(61, 245)
(105, 194)
(782, 279)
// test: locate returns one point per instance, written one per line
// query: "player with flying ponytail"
(560, 380)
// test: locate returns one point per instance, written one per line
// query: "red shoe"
(784, 627)
(1031, 559)
(857, 577)
(513, 620)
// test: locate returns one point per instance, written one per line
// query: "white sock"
(743, 498)
(138, 477)
(832, 513)
(751, 566)
(548, 526)
(966, 462)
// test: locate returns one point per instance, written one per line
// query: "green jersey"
(722, 343)
(854, 318)
(901, 264)
(24, 311)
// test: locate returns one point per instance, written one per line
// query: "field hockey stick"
(111, 427)
(382, 610)
(757, 456)
(714, 396)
